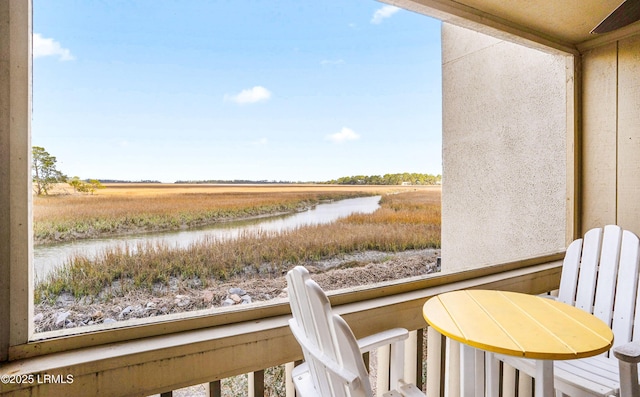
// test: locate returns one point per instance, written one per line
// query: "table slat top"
(518, 324)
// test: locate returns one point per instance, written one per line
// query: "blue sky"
(262, 90)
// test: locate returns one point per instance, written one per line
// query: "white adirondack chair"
(600, 276)
(333, 365)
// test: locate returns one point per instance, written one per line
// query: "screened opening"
(182, 129)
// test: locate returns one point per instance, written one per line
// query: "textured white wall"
(504, 150)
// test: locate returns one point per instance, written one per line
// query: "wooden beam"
(5, 155)
(459, 14)
(616, 35)
(574, 148)
(16, 287)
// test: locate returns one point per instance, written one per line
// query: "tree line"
(405, 178)
(234, 182)
(46, 174)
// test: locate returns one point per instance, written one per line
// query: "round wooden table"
(519, 325)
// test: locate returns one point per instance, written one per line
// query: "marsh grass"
(404, 221)
(70, 217)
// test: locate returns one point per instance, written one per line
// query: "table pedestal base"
(544, 378)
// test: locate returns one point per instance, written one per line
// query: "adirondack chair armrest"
(629, 353)
(383, 338)
(410, 390)
(628, 356)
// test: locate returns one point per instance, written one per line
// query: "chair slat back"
(570, 270)
(330, 348)
(627, 290)
(600, 276)
(588, 269)
(315, 326)
(605, 291)
(351, 359)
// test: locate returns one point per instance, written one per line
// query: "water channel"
(50, 256)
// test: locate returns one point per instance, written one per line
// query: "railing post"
(256, 384)
(452, 376)
(492, 377)
(467, 370)
(419, 357)
(525, 385)
(290, 389)
(509, 381)
(410, 353)
(382, 371)
(215, 389)
(435, 363)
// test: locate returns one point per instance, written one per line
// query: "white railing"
(160, 364)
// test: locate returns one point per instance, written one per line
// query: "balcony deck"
(213, 347)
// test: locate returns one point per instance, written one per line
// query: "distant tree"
(389, 179)
(94, 185)
(76, 184)
(44, 171)
(81, 186)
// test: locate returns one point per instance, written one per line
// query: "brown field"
(154, 189)
(407, 220)
(172, 188)
(131, 208)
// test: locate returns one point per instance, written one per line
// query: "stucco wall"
(504, 150)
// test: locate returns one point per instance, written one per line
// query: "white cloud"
(43, 47)
(383, 13)
(346, 134)
(330, 62)
(250, 95)
(260, 142)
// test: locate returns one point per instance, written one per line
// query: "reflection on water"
(48, 257)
